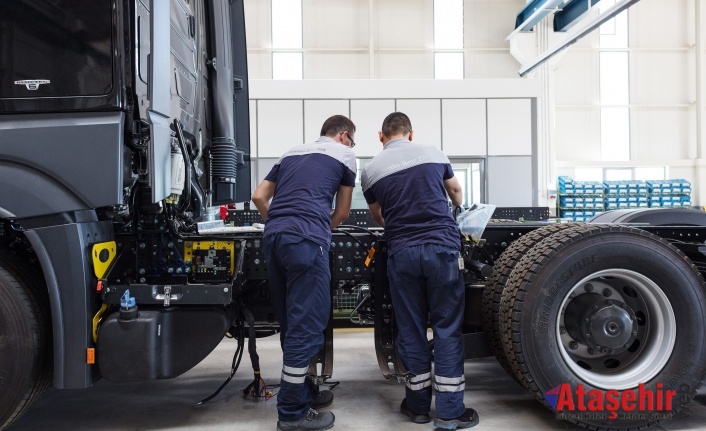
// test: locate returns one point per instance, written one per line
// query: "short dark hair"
(396, 123)
(337, 124)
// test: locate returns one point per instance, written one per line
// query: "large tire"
(619, 280)
(25, 338)
(493, 290)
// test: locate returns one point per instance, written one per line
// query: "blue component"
(570, 14)
(545, 7)
(127, 301)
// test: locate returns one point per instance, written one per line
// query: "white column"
(371, 38)
(699, 46)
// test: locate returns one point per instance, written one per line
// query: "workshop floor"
(364, 400)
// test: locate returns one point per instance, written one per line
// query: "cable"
(187, 165)
(258, 387)
(360, 304)
(360, 243)
(235, 364)
(362, 229)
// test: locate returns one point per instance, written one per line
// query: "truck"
(124, 123)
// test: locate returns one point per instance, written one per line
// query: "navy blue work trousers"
(300, 285)
(425, 281)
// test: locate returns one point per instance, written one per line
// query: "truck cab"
(122, 125)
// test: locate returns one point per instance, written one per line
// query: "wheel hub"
(605, 325)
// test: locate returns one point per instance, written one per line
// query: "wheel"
(25, 338)
(611, 309)
(492, 292)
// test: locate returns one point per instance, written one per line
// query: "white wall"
(385, 39)
(466, 119)
(393, 40)
(663, 95)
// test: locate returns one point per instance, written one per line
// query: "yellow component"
(103, 256)
(90, 356)
(97, 319)
(191, 246)
(369, 259)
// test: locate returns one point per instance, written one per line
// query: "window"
(614, 78)
(589, 174)
(448, 35)
(615, 133)
(448, 65)
(614, 33)
(287, 65)
(469, 176)
(468, 171)
(646, 174)
(448, 24)
(620, 173)
(614, 71)
(287, 35)
(67, 44)
(358, 201)
(287, 24)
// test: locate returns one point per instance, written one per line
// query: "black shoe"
(417, 418)
(468, 419)
(313, 421)
(324, 399)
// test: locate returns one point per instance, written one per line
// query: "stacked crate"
(580, 200)
(625, 194)
(669, 193)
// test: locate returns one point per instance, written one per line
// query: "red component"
(224, 212)
(99, 286)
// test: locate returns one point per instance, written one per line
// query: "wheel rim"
(619, 331)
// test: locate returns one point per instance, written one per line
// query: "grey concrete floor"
(364, 401)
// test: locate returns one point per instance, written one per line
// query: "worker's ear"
(381, 137)
(411, 135)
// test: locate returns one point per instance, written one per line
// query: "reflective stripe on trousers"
(425, 281)
(300, 285)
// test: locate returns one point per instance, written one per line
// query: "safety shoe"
(324, 399)
(468, 419)
(417, 418)
(313, 421)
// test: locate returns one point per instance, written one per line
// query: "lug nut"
(562, 330)
(591, 351)
(573, 345)
(588, 287)
(607, 292)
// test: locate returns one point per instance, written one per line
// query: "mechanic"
(406, 187)
(298, 224)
